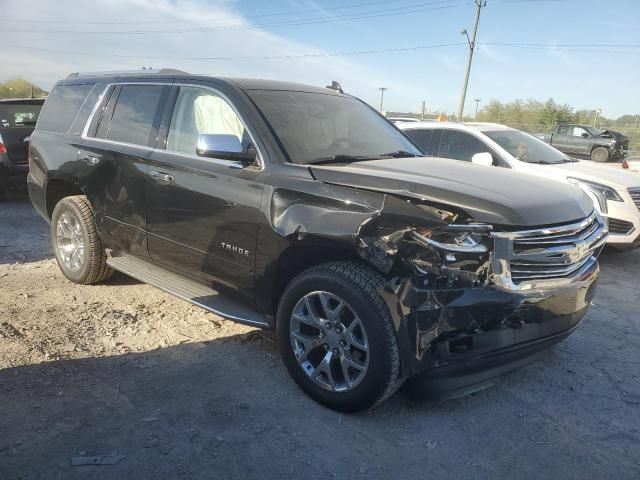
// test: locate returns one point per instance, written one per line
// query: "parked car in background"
(403, 119)
(302, 209)
(615, 192)
(588, 142)
(18, 118)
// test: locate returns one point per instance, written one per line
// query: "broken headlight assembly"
(452, 253)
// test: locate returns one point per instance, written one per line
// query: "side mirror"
(224, 147)
(483, 158)
(584, 135)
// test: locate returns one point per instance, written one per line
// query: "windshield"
(526, 147)
(315, 127)
(594, 131)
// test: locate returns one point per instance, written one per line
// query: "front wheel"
(600, 154)
(336, 336)
(76, 244)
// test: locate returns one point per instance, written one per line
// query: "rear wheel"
(600, 154)
(76, 244)
(336, 336)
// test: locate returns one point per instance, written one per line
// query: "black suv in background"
(302, 209)
(17, 120)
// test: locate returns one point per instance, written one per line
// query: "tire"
(76, 214)
(364, 321)
(600, 155)
(3, 193)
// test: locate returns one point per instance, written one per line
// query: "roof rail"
(118, 73)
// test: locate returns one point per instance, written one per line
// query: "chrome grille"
(554, 255)
(635, 195)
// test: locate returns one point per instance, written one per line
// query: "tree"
(20, 88)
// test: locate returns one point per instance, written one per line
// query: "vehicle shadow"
(226, 408)
(24, 236)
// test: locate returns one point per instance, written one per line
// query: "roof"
(23, 100)
(243, 83)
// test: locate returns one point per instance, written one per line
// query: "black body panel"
(248, 230)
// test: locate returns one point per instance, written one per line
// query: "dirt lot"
(165, 391)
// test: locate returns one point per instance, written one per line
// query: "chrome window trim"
(227, 163)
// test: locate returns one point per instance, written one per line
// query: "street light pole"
(477, 100)
(472, 45)
(382, 90)
(595, 117)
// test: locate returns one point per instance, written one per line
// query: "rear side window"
(134, 114)
(563, 130)
(61, 107)
(422, 138)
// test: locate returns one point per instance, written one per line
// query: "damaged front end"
(461, 292)
(464, 296)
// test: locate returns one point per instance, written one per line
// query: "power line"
(267, 57)
(409, 9)
(155, 22)
(572, 47)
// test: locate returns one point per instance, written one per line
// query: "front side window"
(579, 131)
(525, 147)
(134, 114)
(460, 145)
(313, 127)
(199, 111)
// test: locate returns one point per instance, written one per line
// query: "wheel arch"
(56, 190)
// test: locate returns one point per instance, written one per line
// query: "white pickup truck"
(614, 191)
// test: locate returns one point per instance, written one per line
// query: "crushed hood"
(492, 195)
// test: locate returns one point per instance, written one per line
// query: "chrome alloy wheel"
(70, 241)
(329, 341)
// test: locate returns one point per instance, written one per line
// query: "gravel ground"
(126, 376)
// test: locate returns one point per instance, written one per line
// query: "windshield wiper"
(341, 158)
(400, 154)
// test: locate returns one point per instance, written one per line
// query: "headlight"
(599, 193)
(455, 238)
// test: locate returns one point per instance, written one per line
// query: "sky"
(585, 53)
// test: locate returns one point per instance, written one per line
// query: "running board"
(187, 289)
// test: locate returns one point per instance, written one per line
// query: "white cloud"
(45, 67)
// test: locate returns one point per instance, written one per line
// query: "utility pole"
(636, 123)
(382, 90)
(595, 117)
(472, 45)
(477, 100)
(424, 111)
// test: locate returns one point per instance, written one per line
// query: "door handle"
(90, 160)
(162, 177)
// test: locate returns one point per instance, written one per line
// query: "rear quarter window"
(61, 107)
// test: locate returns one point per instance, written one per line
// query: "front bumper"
(625, 216)
(467, 335)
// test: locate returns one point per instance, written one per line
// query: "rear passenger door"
(202, 213)
(112, 163)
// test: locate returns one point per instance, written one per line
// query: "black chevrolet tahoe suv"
(301, 209)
